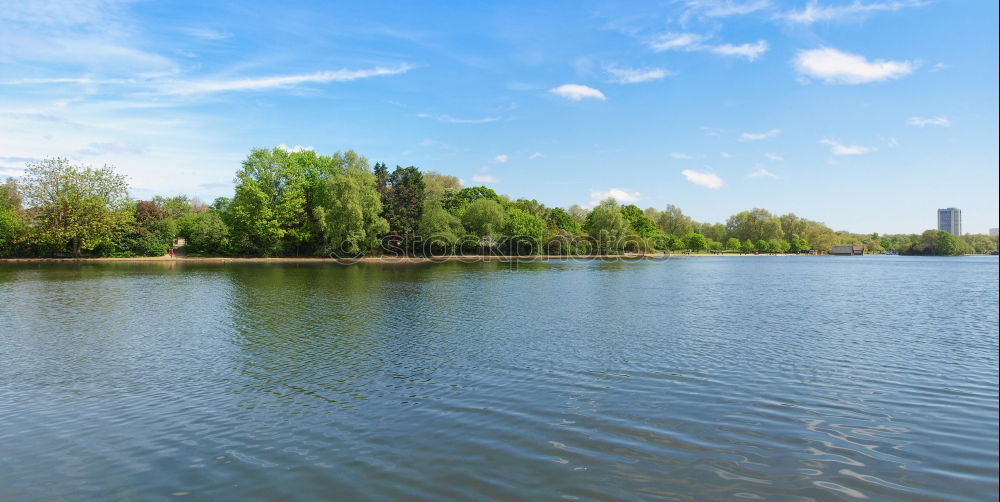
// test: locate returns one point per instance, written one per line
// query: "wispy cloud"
(676, 42)
(774, 157)
(815, 12)
(749, 51)
(835, 67)
(102, 148)
(486, 179)
(696, 42)
(536, 155)
(502, 158)
(619, 194)
(726, 8)
(207, 33)
(577, 92)
(454, 120)
(757, 136)
(838, 148)
(762, 173)
(705, 179)
(635, 75)
(930, 121)
(278, 81)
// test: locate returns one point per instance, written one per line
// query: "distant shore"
(385, 259)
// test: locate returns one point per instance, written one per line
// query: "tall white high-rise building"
(950, 220)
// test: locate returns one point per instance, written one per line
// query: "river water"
(798, 378)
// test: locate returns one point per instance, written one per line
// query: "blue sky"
(867, 115)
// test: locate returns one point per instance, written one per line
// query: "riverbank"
(384, 259)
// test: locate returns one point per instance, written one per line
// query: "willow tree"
(606, 225)
(485, 219)
(350, 211)
(71, 206)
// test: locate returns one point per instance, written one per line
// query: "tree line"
(305, 204)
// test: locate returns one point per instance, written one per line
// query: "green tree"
(402, 201)
(436, 184)
(749, 246)
(208, 235)
(639, 223)
(74, 207)
(562, 220)
(12, 223)
(269, 201)
(606, 225)
(696, 242)
(440, 230)
(674, 221)
(484, 217)
(733, 244)
(756, 224)
(349, 210)
(457, 201)
(525, 232)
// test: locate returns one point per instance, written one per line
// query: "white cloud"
(749, 51)
(619, 194)
(536, 155)
(485, 179)
(680, 156)
(932, 121)
(576, 92)
(635, 75)
(774, 157)
(814, 12)
(836, 67)
(119, 147)
(726, 155)
(676, 42)
(727, 8)
(453, 120)
(280, 81)
(708, 180)
(762, 173)
(296, 148)
(757, 136)
(502, 158)
(207, 33)
(838, 148)
(696, 42)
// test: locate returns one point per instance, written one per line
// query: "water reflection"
(680, 379)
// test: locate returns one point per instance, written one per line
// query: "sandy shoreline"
(381, 259)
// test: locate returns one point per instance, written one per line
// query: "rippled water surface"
(684, 379)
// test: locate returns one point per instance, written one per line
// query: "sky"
(865, 115)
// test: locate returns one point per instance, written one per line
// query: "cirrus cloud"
(930, 121)
(814, 12)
